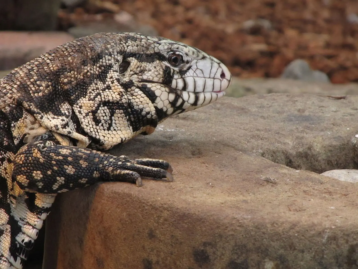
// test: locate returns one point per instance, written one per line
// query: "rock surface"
(242, 87)
(348, 175)
(229, 207)
(302, 131)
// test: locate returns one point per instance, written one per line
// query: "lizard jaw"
(203, 83)
(208, 76)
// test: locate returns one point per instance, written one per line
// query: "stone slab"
(236, 212)
(241, 87)
(229, 207)
(302, 131)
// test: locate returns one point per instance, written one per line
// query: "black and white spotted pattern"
(87, 95)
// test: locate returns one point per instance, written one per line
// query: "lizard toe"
(169, 177)
(155, 163)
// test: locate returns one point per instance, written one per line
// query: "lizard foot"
(155, 163)
(146, 168)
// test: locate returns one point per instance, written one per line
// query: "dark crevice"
(316, 160)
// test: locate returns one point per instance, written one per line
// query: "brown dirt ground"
(315, 30)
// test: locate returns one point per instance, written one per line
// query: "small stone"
(257, 26)
(352, 18)
(300, 70)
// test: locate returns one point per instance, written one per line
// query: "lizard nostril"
(222, 75)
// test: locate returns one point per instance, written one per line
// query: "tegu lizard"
(59, 111)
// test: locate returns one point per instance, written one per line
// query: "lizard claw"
(138, 182)
(169, 176)
(170, 170)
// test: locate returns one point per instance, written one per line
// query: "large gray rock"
(231, 205)
(17, 48)
(302, 131)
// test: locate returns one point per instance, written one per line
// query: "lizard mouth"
(193, 89)
(198, 99)
(218, 81)
(215, 80)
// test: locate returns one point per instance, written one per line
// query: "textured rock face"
(242, 87)
(302, 131)
(229, 207)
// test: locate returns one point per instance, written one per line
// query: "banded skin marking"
(59, 111)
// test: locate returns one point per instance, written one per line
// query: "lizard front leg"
(28, 212)
(45, 167)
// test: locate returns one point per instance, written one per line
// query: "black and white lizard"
(90, 94)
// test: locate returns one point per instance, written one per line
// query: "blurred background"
(309, 41)
(256, 38)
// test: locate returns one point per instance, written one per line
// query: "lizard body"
(59, 112)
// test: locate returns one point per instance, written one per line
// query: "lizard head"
(174, 76)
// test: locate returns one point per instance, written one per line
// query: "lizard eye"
(175, 59)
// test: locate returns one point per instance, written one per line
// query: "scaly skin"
(87, 95)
